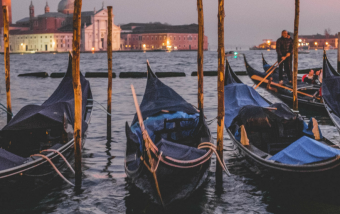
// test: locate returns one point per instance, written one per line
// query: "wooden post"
(109, 60)
(295, 53)
(220, 88)
(338, 52)
(200, 53)
(77, 90)
(6, 61)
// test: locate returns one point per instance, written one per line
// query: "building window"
(148, 38)
(68, 45)
(174, 37)
(41, 37)
(195, 38)
(156, 37)
(51, 46)
(151, 37)
(183, 38)
(179, 38)
(170, 37)
(164, 37)
(45, 37)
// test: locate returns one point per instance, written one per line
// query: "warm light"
(326, 43)
(316, 43)
(53, 43)
(144, 46)
(300, 40)
(268, 42)
(307, 43)
(92, 49)
(168, 42)
(299, 44)
(22, 44)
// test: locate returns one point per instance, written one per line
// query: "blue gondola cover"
(305, 151)
(238, 95)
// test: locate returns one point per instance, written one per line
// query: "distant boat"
(303, 52)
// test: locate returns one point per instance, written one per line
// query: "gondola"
(181, 152)
(273, 137)
(307, 105)
(267, 66)
(38, 141)
(330, 91)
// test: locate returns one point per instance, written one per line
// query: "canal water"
(106, 188)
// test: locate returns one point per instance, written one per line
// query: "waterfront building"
(319, 41)
(53, 31)
(157, 36)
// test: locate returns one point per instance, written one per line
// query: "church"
(52, 31)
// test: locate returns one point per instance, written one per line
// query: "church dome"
(66, 6)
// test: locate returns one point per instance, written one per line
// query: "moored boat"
(272, 136)
(177, 163)
(309, 101)
(38, 142)
(331, 91)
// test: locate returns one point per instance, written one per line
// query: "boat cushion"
(156, 123)
(178, 151)
(10, 160)
(305, 151)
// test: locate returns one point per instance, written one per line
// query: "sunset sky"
(247, 22)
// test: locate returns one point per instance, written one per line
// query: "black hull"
(175, 184)
(38, 173)
(265, 166)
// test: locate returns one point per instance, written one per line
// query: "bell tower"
(47, 8)
(8, 3)
(31, 10)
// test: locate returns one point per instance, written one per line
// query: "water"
(105, 187)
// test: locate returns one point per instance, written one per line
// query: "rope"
(62, 156)
(209, 122)
(103, 108)
(55, 168)
(4, 108)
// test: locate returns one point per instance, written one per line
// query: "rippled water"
(105, 187)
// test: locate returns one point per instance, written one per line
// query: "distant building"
(53, 31)
(157, 36)
(319, 41)
(268, 44)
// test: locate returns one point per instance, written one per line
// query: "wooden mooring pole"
(220, 89)
(200, 53)
(7, 62)
(295, 54)
(109, 60)
(77, 91)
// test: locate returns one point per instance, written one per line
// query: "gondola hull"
(175, 184)
(36, 174)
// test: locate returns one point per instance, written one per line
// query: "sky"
(247, 22)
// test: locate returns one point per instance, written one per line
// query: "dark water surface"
(105, 186)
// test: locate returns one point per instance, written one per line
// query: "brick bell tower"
(9, 4)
